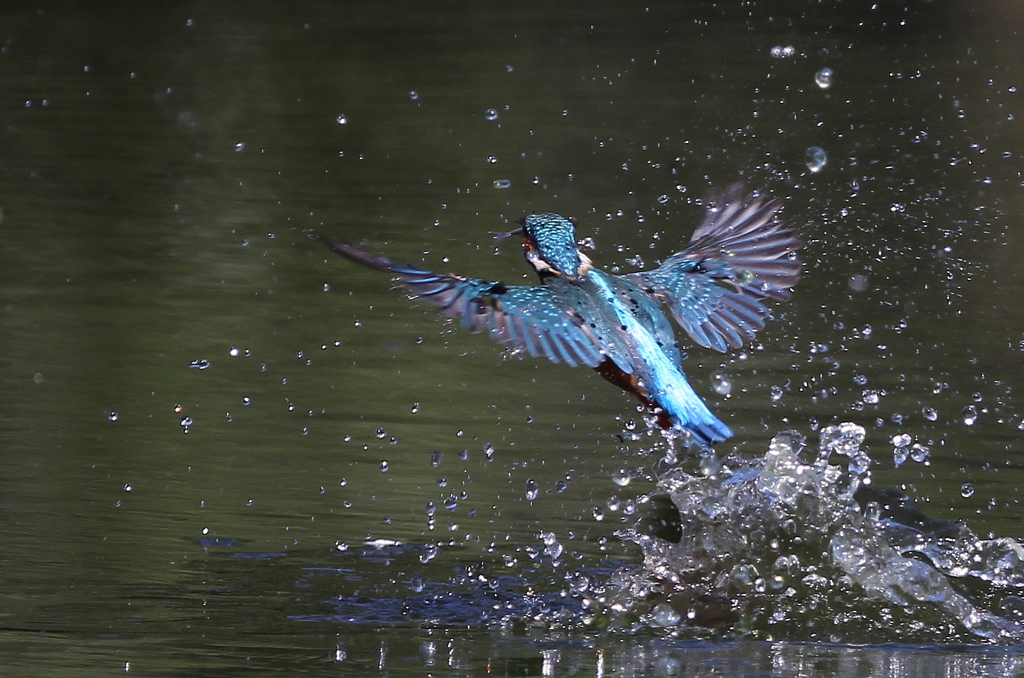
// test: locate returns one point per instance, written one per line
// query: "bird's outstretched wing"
(736, 258)
(529, 318)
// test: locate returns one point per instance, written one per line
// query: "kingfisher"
(715, 288)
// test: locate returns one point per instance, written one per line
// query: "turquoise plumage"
(579, 315)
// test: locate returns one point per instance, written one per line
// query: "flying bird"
(580, 315)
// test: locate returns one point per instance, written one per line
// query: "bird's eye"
(574, 221)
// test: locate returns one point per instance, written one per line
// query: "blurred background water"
(223, 449)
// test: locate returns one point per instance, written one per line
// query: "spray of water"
(799, 545)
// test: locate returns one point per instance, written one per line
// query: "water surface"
(198, 399)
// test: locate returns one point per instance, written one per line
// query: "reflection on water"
(445, 654)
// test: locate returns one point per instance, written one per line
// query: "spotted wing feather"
(533, 319)
(736, 258)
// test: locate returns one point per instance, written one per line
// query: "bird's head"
(549, 241)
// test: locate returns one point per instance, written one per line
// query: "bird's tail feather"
(688, 411)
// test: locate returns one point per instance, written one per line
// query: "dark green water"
(162, 166)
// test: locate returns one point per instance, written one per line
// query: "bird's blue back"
(579, 315)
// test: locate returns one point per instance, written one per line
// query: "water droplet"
(552, 547)
(185, 420)
(384, 466)
(782, 51)
(429, 552)
(178, 408)
(663, 615)
(341, 546)
(342, 119)
(899, 455)
(532, 489)
(859, 283)
(492, 159)
(381, 433)
(239, 147)
(823, 78)
(246, 401)
(901, 440)
(860, 379)
(970, 414)
(414, 95)
(415, 408)
(416, 584)
(200, 364)
(491, 114)
(489, 452)
(816, 158)
(920, 453)
(435, 458)
(871, 396)
(966, 490)
(112, 416)
(502, 184)
(598, 513)
(744, 276)
(721, 383)
(127, 487)
(775, 393)
(622, 477)
(233, 351)
(662, 199)
(929, 413)
(327, 287)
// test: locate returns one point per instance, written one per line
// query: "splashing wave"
(798, 548)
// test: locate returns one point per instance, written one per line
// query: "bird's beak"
(499, 236)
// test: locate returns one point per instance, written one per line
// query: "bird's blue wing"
(736, 258)
(533, 319)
